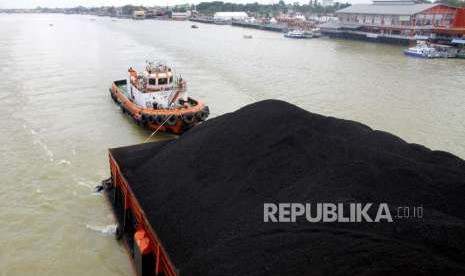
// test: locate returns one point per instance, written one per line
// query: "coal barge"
(194, 205)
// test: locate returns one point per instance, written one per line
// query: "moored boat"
(316, 32)
(427, 50)
(157, 99)
(297, 34)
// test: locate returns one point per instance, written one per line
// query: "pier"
(258, 26)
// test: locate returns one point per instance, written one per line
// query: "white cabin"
(156, 88)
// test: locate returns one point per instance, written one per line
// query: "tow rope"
(158, 128)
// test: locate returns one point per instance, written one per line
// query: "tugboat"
(158, 100)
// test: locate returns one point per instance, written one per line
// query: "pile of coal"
(204, 194)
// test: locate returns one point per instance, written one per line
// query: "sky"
(18, 4)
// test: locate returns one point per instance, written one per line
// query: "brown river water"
(58, 121)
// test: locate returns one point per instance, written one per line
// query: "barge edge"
(147, 253)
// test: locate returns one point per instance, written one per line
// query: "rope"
(156, 130)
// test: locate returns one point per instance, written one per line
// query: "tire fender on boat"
(202, 115)
(159, 119)
(144, 119)
(172, 120)
(188, 118)
(137, 121)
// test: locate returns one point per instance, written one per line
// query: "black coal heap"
(204, 195)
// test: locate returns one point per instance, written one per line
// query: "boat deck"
(122, 87)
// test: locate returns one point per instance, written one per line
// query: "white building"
(228, 16)
(138, 14)
(300, 17)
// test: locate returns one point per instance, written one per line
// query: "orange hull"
(175, 121)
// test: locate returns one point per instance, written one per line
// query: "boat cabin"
(156, 87)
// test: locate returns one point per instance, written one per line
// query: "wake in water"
(63, 162)
(48, 152)
(107, 230)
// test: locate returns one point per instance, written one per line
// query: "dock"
(202, 20)
(267, 27)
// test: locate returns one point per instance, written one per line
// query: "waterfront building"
(228, 16)
(401, 20)
(139, 14)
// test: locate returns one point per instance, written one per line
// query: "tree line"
(209, 8)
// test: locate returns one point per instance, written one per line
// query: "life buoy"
(172, 120)
(188, 118)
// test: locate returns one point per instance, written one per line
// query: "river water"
(58, 121)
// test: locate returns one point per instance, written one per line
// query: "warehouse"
(228, 16)
(399, 19)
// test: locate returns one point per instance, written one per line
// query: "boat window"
(171, 79)
(152, 81)
(162, 81)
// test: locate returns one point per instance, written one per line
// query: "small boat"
(427, 50)
(194, 27)
(297, 34)
(247, 36)
(158, 100)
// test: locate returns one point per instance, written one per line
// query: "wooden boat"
(158, 100)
